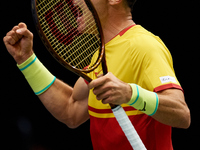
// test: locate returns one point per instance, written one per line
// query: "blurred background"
(25, 123)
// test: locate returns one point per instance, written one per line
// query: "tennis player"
(141, 78)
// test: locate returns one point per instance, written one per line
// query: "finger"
(97, 82)
(15, 28)
(103, 96)
(102, 88)
(22, 29)
(9, 39)
(106, 100)
(24, 32)
(12, 37)
(111, 100)
(17, 36)
(22, 25)
(12, 31)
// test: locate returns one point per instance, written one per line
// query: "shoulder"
(146, 44)
(143, 38)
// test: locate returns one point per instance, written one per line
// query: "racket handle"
(128, 128)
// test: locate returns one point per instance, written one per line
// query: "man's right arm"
(69, 105)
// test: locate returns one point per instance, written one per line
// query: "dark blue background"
(25, 123)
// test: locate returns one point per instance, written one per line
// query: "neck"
(114, 22)
(111, 30)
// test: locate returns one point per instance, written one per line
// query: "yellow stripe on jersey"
(111, 115)
(107, 113)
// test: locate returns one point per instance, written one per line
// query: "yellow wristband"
(144, 100)
(38, 77)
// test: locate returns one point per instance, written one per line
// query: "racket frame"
(46, 42)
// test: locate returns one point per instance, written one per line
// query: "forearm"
(167, 106)
(172, 109)
(53, 93)
(56, 99)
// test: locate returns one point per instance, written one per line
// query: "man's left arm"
(171, 107)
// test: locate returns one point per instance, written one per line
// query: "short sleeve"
(158, 71)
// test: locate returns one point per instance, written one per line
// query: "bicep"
(81, 90)
(78, 107)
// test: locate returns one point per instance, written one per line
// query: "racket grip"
(128, 128)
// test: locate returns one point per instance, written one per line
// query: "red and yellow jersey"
(134, 56)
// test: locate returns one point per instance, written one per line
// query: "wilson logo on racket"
(69, 22)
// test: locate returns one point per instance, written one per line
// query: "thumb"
(23, 31)
(22, 25)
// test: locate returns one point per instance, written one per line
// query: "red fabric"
(106, 133)
(168, 86)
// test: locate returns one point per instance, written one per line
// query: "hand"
(111, 90)
(19, 43)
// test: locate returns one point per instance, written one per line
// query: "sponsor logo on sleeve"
(166, 79)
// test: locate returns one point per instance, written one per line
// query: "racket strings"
(71, 30)
(91, 44)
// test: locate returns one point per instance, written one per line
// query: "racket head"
(71, 32)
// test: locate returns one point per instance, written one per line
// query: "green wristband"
(38, 77)
(144, 100)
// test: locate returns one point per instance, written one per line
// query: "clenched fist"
(19, 43)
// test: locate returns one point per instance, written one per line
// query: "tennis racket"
(71, 31)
